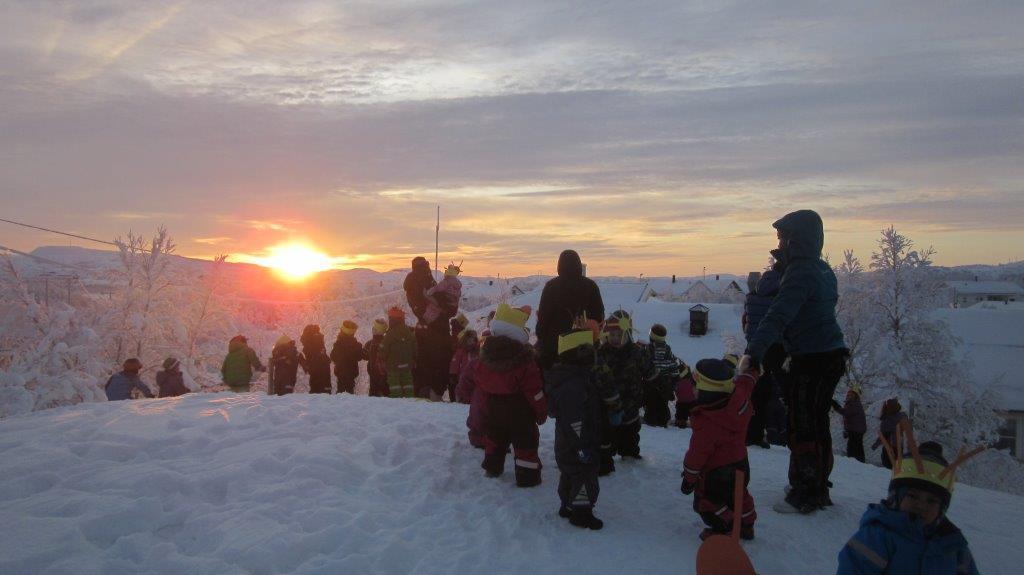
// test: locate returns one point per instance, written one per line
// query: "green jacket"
(399, 347)
(239, 364)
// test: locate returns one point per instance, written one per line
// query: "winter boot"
(584, 517)
(747, 532)
(565, 512)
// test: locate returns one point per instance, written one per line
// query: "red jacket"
(507, 367)
(720, 430)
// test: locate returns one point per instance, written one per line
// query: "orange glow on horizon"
(295, 261)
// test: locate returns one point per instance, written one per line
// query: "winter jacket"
(758, 301)
(346, 355)
(416, 284)
(399, 347)
(575, 394)
(662, 368)
(315, 361)
(121, 384)
(460, 358)
(854, 420)
(284, 367)
(507, 367)
(803, 313)
(376, 367)
(887, 427)
(890, 542)
(720, 430)
(628, 373)
(563, 299)
(171, 383)
(443, 300)
(686, 390)
(464, 391)
(239, 364)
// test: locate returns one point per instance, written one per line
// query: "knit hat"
(420, 262)
(349, 327)
(732, 359)
(923, 467)
(171, 363)
(131, 364)
(714, 375)
(239, 339)
(396, 313)
(511, 322)
(658, 332)
(380, 326)
(452, 269)
(283, 340)
(855, 388)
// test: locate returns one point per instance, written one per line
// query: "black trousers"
(812, 381)
(656, 411)
(855, 446)
(346, 385)
(577, 481)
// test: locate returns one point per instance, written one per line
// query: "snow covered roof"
(992, 340)
(986, 287)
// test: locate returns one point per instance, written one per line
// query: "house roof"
(992, 340)
(986, 287)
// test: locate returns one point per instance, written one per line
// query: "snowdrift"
(225, 483)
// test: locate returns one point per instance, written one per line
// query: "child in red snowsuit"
(509, 380)
(466, 393)
(718, 447)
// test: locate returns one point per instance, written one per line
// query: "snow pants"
(509, 419)
(433, 358)
(400, 383)
(378, 385)
(318, 383)
(713, 497)
(627, 438)
(855, 446)
(656, 411)
(346, 384)
(812, 381)
(606, 447)
(475, 420)
(759, 400)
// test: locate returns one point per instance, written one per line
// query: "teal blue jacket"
(803, 313)
(889, 541)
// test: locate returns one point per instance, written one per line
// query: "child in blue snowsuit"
(908, 533)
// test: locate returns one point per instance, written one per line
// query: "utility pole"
(437, 235)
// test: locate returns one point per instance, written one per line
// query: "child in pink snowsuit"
(444, 298)
(477, 401)
(467, 350)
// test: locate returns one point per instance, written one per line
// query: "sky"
(652, 137)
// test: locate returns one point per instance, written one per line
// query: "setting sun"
(295, 261)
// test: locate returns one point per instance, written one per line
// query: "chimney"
(716, 277)
(673, 278)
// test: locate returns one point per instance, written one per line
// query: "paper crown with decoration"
(349, 327)
(923, 466)
(380, 326)
(453, 270)
(511, 322)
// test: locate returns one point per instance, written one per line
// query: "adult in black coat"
(565, 298)
(314, 359)
(433, 341)
(284, 365)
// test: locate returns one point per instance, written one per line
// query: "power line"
(58, 232)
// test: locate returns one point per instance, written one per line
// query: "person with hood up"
(399, 351)
(239, 364)
(284, 365)
(314, 359)
(170, 381)
(803, 317)
(346, 355)
(580, 394)
(891, 416)
(854, 423)
(376, 366)
(508, 377)
(124, 384)
(908, 532)
(718, 447)
(562, 301)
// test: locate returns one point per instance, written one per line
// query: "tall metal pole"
(437, 235)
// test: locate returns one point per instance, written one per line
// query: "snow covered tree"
(144, 279)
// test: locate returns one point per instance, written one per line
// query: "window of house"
(1008, 436)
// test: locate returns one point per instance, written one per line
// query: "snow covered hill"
(341, 484)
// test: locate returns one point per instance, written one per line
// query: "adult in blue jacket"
(120, 385)
(802, 316)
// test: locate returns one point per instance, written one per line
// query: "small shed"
(699, 319)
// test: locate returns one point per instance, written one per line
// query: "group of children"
(594, 392)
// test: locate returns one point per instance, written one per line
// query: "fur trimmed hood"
(500, 353)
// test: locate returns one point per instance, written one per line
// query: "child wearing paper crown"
(509, 380)
(580, 393)
(624, 358)
(443, 299)
(908, 532)
(376, 366)
(466, 393)
(718, 447)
